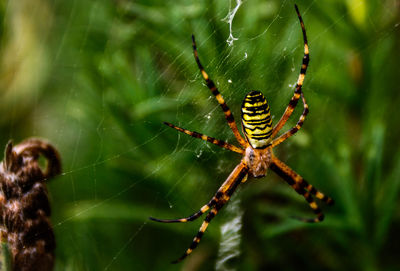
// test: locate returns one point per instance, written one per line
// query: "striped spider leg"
(256, 148)
(218, 96)
(296, 95)
(302, 187)
(224, 193)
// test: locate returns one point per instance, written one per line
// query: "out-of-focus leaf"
(5, 257)
(387, 202)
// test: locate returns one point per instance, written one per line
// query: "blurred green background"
(98, 78)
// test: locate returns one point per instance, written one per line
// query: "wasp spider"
(256, 148)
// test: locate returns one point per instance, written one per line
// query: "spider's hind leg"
(294, 129)
(214, 90)
(297, 92)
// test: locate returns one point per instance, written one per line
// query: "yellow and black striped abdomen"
(256, 120)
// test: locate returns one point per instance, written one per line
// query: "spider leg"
(226, 191)
(212, 140)
(218, 96)
(297, 127)
(318, 194)
(320, 216)
(300, 80)
(192, 217)
(302, 182)
(199, 235)
(301, 186)
(220, 194)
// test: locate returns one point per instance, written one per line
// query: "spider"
(256, 148)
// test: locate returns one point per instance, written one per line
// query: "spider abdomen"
(256, 120)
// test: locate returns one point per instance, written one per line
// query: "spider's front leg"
(222, 196)
(194, 216)
(227, 189)
(302, 187)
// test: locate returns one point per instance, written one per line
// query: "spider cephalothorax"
(258, 161)
(256, 148)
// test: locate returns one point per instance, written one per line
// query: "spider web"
(83, 103)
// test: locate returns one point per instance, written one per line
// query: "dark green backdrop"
(98, 78)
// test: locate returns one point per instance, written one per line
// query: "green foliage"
(5, 257)
(98, 78)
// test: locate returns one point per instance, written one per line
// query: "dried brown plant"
(24, 203)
